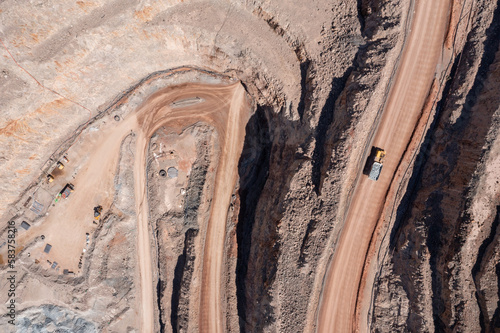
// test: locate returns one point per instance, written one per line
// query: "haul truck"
(377, 164)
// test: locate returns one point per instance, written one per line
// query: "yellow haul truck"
(377, 164)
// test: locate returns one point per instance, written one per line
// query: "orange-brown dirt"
(226, 143)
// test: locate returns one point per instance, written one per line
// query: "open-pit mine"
(250, 166)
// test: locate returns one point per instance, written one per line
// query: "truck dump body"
(375, 172)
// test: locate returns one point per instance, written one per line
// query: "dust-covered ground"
(318, 73)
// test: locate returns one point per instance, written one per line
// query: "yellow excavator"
(97, 212)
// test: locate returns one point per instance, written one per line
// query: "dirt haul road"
(225, 108)
(211, 318)
(412, 83)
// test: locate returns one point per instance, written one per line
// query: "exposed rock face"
(291, 194)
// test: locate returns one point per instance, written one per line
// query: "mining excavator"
(97, 212)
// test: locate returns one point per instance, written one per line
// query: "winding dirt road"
(407, 97)
(225, 107)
